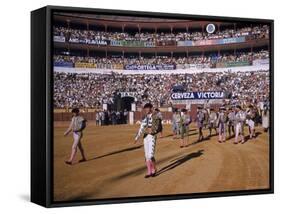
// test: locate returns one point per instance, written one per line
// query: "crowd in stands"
(121, 62)
(254, 32)
(90, 90)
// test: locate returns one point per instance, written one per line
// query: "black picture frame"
(42, 107)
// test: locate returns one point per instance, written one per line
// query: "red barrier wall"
(66, 116)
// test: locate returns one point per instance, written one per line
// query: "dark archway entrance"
(126, 103)
(121, 103)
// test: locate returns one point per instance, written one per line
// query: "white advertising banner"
(131, 117)
(59, 39)
(259, 67)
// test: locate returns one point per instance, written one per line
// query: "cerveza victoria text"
(197, 95)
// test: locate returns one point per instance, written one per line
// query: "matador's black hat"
(238, 106)
(75, 110)
(148, 105)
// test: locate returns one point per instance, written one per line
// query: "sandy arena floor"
(116, 168)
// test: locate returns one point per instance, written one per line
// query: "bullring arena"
(109, 67)
(115, 166)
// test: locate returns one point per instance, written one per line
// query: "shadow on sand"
(112, 153)
(179, 161)
(247, 138)
(141, 170)
(117, 152)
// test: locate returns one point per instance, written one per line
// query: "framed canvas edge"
(49, 110)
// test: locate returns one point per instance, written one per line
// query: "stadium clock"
(210, 28)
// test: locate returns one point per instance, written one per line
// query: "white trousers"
(239, 131)
(251, 124)
(149, 146)
(76, 139)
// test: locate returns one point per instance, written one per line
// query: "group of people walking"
(228, 121)
(232, 120)
(106, 117)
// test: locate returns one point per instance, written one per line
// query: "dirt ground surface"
(116, 167)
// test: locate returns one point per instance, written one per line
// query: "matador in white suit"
(150, 126)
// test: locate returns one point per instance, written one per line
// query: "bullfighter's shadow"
(180, 161)
(247, 138)
(115, 152)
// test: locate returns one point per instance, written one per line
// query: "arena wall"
(138, 115)
(91, 116)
